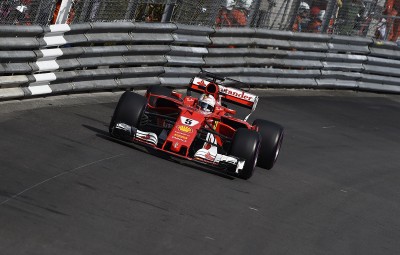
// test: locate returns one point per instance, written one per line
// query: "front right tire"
(129, 110)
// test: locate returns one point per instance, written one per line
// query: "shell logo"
(185, 129)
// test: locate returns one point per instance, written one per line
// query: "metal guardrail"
(36, 61)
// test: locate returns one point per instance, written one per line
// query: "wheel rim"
(278, 148)
(257, 153)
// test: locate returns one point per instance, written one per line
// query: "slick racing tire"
(245, 146)
(129, 110)
(271, 142)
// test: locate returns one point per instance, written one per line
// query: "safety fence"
(362, 18)
(88, 57)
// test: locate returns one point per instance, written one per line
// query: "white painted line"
(47, 65)
(199, 50)
(59, 28)
(51, 54)
(39, 90)
(45, 77)
(54, 40)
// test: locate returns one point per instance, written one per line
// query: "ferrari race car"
(200, 129)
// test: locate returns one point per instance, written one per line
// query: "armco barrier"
(80, 58)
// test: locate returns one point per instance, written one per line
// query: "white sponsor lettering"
(237, 93)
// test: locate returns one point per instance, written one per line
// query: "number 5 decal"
(189, 122)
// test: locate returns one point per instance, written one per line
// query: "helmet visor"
(206, 107)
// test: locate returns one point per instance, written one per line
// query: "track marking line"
(56, 176)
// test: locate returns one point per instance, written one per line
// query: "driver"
(206, 103)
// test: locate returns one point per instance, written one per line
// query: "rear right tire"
(271, 142)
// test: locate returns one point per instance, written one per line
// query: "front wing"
(209, 156)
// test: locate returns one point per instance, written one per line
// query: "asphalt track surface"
(66, 188)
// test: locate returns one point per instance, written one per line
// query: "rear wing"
(232, 95)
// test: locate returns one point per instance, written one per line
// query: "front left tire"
(245, 146)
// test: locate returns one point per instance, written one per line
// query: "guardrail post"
(63, 14)
(255, 9)
(169, 8)
(130, 11)
(328, 15)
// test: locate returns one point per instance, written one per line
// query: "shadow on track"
(165, 156)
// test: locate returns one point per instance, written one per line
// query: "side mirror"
(176, 94)
(230, 111)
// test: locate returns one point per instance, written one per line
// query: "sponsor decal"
(147, 137)
(176, 138)
(237, 93)
(201, 82)
(209, 156)
(215, 125)
(180, 137)
(176, 145)
(185, 129)
(188, 122)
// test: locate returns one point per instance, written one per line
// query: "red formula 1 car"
(201, 129)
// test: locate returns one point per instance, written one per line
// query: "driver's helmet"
(206, 103)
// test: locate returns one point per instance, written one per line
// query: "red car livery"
(173, 123)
